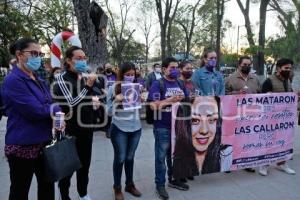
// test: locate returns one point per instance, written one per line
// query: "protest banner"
(232, 132)
(132, 96)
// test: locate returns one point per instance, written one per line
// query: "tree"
(289, 44)
(220, 14)
(262, 35)
(120, 33)
(166, 16)
(245, 10)
(188, 21)
(93, 43)
(259, 57)
(146, 24)
(12, 29)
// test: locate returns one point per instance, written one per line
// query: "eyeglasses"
(35, 53)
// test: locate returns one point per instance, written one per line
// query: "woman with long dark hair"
(125, 132)
(75, 92)
(198, 137)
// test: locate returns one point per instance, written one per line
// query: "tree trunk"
(261, 39)
(94, 45)
(220, 13)
(245, 12)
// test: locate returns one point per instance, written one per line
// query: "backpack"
(150, 116)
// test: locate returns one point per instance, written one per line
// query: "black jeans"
(124, 144)
(21, 173)
(84, 143)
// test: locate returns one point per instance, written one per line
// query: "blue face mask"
(34, 63)
(129, 78)
(211, 64)
(81, 66)
(174, 73)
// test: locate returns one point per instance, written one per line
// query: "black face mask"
(246, 69)
(109, 70)
(285, 74)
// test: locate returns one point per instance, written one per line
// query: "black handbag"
(60, 159)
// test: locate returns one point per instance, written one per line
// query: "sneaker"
(191, 178)
(86, 197)
(285, 168)
(252, 170)
(162, 193)
(263, 170)
(178, 185)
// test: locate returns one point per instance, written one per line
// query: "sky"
(233, 14)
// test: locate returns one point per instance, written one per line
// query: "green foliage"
(12, 28)
(40, 20)
(229, 59)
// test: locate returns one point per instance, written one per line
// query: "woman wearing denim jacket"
(125, 132)
(28, 106)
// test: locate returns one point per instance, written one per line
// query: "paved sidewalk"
(238, 185)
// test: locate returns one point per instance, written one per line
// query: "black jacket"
(75, 99)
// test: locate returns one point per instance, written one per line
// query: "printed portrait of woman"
(198, 136)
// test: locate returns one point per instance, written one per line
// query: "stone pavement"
(238, 185)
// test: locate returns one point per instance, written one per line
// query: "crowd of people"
(91, 99)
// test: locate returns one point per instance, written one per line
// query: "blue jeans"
(162, 154)
(124, 144)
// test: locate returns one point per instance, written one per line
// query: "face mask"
(81, 66)
(285, 74)
(187, 74)
(174, 73)
(34, 63)
(246, 69)
(108, 71)
(211, 65)
(157, 70)
(128, 78)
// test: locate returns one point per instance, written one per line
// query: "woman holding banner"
(125, 130)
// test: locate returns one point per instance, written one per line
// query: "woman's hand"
(119, 98)
(91, 80)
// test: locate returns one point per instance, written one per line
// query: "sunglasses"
(35, 53)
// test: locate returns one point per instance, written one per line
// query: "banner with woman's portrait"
(215, 134)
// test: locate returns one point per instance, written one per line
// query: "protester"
(206, 79)
(28, 106)
(173, 92)
(140, 78)
(279, 82)
(125, 132)
(111, 77)
(74, 92)
(186, 72)
(243, 82)
(155, 75)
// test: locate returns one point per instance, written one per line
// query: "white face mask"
(157, 70)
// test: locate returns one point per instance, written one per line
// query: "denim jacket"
(208, 83)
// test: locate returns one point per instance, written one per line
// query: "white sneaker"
(86, 197)
(285, 168)
(263, 170)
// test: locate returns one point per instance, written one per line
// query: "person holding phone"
(173, 92)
